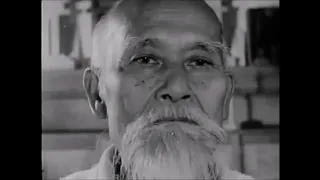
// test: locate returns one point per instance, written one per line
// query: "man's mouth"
(172, 120)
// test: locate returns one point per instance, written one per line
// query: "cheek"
(136, 92)
(211, 94)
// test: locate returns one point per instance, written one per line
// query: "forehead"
(175, 18)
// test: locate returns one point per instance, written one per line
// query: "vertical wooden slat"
(229, 17)
(241, 153)
(236, 151)
(50, 37)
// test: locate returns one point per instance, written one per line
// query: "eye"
(200, 63)
(146, 60)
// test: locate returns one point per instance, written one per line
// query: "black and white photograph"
(160, 89)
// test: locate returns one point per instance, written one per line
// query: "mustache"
(173, 112)
(171, 119)
(177, 113)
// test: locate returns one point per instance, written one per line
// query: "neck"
(120, 172)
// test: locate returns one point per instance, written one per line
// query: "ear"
(228, 96)
(90, 84)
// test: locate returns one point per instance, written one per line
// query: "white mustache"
(190, 114)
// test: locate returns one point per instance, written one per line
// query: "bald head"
(135, 18)
(145, 14)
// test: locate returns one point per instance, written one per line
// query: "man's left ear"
(91, 86)
(229, 93)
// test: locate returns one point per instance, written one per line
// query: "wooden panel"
(236, 151)
(80, 141)
(228, 156)
(69, 141)
(63, 95)
(246, 80)
(62, 80)
(261, 139)
(262, 161)
(265, 108)
(70, 114)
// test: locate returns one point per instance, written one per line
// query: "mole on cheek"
(199, 82)
(121, 69)
(139, 83)
(150, 82)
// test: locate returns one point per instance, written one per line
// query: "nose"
(174, 90)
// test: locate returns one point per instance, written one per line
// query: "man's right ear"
(90, 84)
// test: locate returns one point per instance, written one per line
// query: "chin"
(171, 143)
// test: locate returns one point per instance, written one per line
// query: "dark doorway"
(67, 31)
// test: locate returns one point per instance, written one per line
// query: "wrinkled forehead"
(171, 15)
(177, 23)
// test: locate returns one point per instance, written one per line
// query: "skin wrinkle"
(136, 43)
(131, 9)
(149, 83)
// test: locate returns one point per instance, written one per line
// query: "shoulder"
(102, 170)
(87, 174)
(231, 174)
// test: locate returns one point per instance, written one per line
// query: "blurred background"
(70, 132)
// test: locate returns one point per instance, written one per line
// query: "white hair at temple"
(108, 41)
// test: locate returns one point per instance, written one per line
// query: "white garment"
(104, 170)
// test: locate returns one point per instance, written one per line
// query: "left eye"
(199, 63)
(146, 60)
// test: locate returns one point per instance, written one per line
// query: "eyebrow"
(136, 42)
(208, 46)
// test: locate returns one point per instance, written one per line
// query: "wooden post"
(236, 151)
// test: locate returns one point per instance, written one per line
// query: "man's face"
(172, 89)
(171, 62)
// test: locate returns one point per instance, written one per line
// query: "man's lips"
(171, 120)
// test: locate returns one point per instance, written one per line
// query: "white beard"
(172, 150)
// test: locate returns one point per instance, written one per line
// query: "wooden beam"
(64, 124)
(62, 80)
(70, 115)
(69, 141)
(259, 136)
(64, 95)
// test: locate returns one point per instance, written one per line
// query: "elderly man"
(158, 76)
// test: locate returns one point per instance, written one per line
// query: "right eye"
(146, 61)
